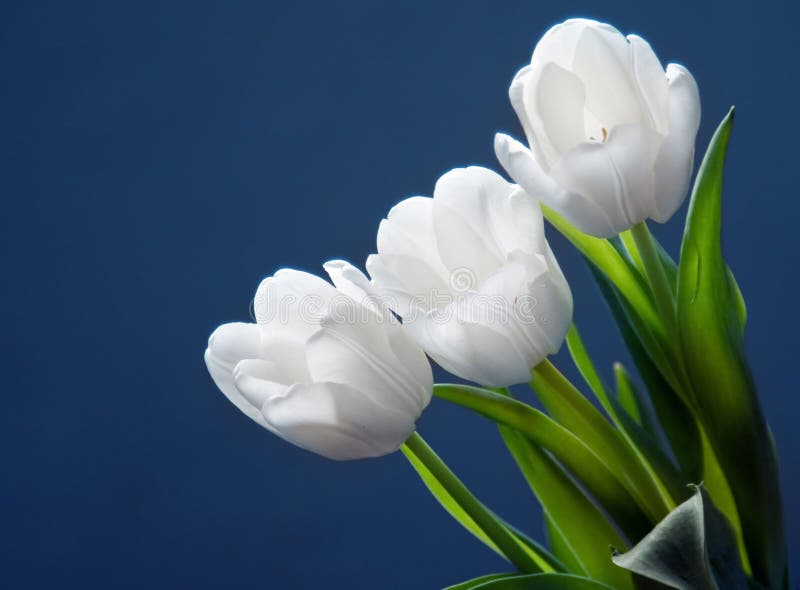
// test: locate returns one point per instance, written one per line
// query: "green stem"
(494, 529)
(657, 276)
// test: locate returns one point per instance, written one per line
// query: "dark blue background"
(159, 158)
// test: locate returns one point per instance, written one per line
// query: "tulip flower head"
(611, 133)
(473, 278)
(324, 367)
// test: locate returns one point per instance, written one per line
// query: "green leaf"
(711, 316)
(573, 411)
(579, 458)
(582, 527)
(626, 393)
(642, 444)
(543, 582)
(476, 582)
(468, 511)
(691, 549)
(583, 362)
(738, 302)
(558, 545)
(675, 417)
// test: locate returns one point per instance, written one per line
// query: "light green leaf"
(711, 316)
(543, 582)
(641, 443)
(476, 582)
(738, 302)
(558, 544)
(577, 414)
(583, 362)
(468, 511)
(572, 452)
(582, 528)
(691, 549)
(626, 393)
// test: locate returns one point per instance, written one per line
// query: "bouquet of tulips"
(667, 478)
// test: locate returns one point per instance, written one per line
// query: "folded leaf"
(691, 549)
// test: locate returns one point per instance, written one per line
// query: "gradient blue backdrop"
(160, 158)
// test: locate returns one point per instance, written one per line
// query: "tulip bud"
(473, 278)
(611, 134)
(324, 367)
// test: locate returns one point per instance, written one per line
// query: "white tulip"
(473, 278)
(324, 368)
(611, 134)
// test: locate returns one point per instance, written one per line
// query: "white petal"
(470, 350)
(293, 301)
(616, 176)
(554, 100)
(545, 312)
(558, 44)
(352, 282)
(523, 167)
(408, 231)
(337, 421)
(227, 346)
(604, 65)
(406, 283)
(580, 210)
(410, 356)
(651, 80)
(527, 231)
(259, 380)
(516, 95)
(673, 167)
(465, 223)
(360, 355)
